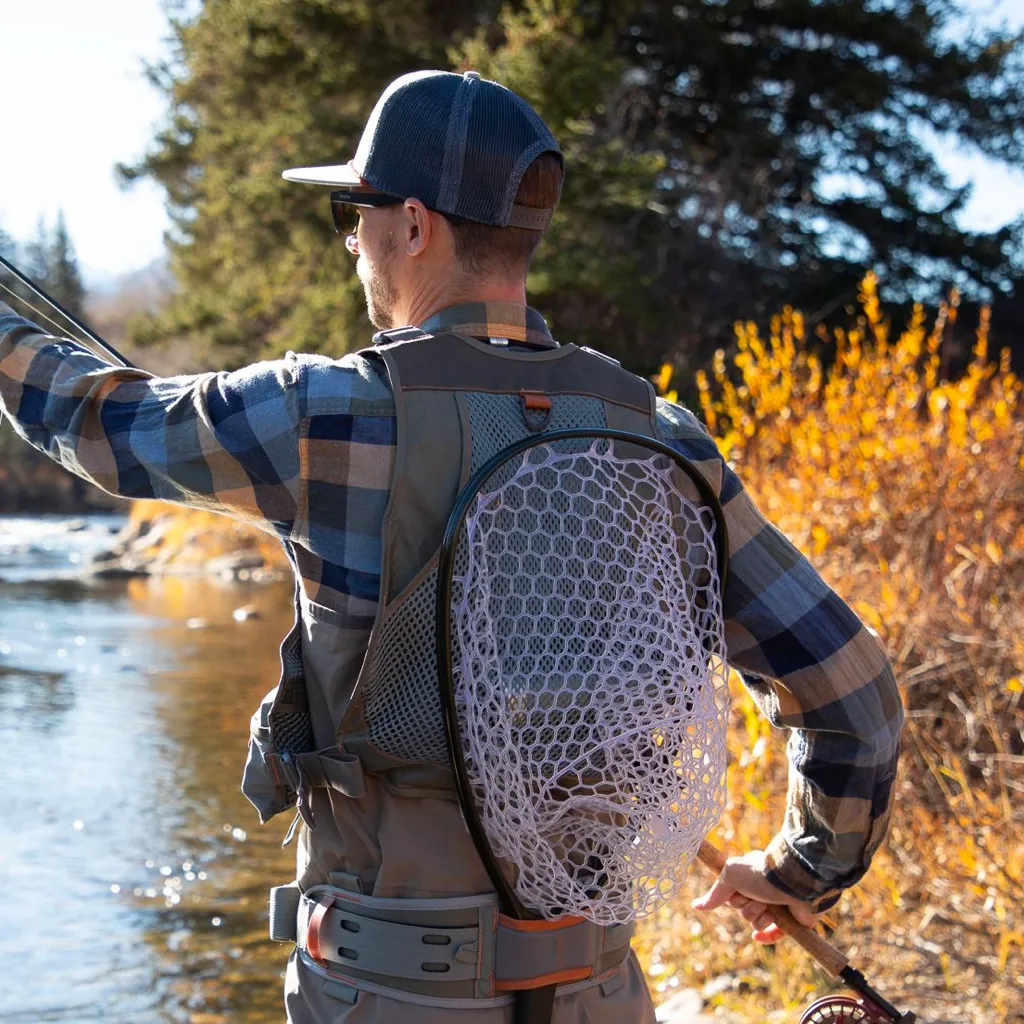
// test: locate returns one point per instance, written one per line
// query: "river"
(133, 874)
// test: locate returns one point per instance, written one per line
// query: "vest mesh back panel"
(590, 682)
(400, 693)
(496, 421)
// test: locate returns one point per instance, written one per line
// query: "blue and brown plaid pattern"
(303, 447)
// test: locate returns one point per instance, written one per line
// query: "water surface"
(134, 874)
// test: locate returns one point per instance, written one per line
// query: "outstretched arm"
(228, 442)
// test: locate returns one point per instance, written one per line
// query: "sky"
(76, 103)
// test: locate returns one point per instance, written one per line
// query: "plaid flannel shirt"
(303, 447)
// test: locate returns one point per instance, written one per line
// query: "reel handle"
(830, 959)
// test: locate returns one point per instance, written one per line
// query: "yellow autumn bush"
(907, 492)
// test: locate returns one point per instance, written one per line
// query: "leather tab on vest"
(536, 409)
(451, 362)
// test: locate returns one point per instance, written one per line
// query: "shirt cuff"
(788, 871)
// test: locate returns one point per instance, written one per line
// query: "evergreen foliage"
(724, 156)
(52, 264)
(28, 479)
(64, 280)
(37, 254)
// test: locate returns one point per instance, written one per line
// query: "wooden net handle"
(832, 961)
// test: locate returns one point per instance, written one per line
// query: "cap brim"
(333, 174)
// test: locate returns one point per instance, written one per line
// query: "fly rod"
(37, 290)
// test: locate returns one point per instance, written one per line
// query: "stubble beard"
(379, 285)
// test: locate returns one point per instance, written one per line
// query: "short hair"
(486, 250)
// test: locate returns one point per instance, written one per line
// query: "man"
(345, 460)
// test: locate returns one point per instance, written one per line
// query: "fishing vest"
(354, 735)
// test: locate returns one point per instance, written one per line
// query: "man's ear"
(419, 229)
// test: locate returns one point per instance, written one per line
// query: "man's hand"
(742, 885)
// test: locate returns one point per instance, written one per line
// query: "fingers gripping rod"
(834, 962)
(36, 290)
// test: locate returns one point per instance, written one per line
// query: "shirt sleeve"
(227, 442)
(815, 670)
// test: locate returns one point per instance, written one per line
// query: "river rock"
(118, 568)
(230, 566)
(684, 1008)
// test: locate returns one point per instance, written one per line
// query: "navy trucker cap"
(458, 143)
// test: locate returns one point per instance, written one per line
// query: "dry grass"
(907, 492)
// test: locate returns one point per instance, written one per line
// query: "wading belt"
(442, 952)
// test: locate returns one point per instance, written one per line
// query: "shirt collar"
(493, 320)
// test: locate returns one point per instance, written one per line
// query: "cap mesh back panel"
(499, 130)
(590, 679)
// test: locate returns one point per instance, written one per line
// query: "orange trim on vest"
(554, 978)
(316, 921)
(539, 925)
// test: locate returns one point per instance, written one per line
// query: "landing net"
(589, 678)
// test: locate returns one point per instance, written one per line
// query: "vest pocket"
(270, 781)
(280, 730)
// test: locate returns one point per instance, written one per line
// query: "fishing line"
(39, 313)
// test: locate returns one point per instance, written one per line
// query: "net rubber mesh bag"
(588, 675)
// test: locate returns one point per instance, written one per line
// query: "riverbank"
(159, 539)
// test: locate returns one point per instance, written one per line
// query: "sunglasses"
(346, 204)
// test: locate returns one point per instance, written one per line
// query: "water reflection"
(134, 873)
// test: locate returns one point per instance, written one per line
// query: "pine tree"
(64, 280)
(786, 143)
(724, 157)
(37, 255)
(255, 88)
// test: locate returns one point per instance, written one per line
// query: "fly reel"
(845, 1010)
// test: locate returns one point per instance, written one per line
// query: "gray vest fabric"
(354, 734)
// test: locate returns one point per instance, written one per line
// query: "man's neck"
(430, 300)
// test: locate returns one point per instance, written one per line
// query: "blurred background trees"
(28, 479)
(724, 157)
(52, 264)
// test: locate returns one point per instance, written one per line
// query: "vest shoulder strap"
(452, 362)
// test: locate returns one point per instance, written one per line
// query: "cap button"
(474, 75)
